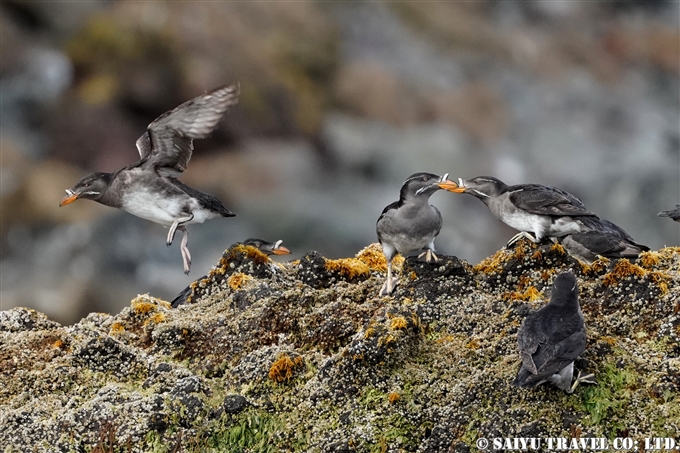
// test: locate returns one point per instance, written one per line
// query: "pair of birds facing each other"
(411, 224)
(149, 188)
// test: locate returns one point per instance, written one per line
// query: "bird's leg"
(186, 256)
(387, 287)
(173, 228)
(429, 256)
(587, 379)
(520, 235)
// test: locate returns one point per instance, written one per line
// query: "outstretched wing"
(167, 144)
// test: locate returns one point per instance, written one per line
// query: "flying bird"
(544, 211)
(672, 213)
(600, 237)
(411, 223)
(149, 188)
(552, 338)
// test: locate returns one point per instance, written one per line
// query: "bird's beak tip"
(69, 198)
(281, 250)
(450, 186)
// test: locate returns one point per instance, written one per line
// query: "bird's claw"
(587, 379)
(429, 256)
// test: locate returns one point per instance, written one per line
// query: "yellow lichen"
(609, 340)
(373, 257)
(660, 279)
(348, 267)
(623, 269)
(558, 248)
(368, 333)
(116, 328)
(143, 304)
(238, 280)
(398, 322)
(249, 251)
(537, 255)
(387, 339)
(393, 397)
(157, 317)
(282, 368)
(473, 344)
(58, 344)
(445, 339)
(649, 259)
(531, 294)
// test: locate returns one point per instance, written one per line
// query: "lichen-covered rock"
(305, 356)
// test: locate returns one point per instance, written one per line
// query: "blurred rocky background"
(340, 103)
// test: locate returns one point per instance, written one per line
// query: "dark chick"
(411, 223)
(552, 338)
(149, 188)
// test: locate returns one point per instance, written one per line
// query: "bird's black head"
(424, 184)
(482, 187)
(91, 187)
(564, 290)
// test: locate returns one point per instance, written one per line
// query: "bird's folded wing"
(543, 200)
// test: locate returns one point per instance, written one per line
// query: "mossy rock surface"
(304, 356)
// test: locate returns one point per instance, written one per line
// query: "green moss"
(609, 399)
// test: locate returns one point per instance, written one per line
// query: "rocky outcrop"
(304, 356)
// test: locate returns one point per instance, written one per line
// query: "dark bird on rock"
(600, 237)
(552, 338)
(529, 208)
(268, 248)
(672, 213)
(149, 188)
(412, 223)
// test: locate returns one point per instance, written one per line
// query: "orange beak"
(70, 198)
(281, 250)
(450, 186)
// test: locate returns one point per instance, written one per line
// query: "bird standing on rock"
(529, 208)
(552, 338)
(672, 213)
(412, 223)
(149, 188)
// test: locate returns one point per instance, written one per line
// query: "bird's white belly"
(541, 226)
(525, 222)
(164, 210)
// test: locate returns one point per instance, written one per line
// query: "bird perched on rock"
(552, 338)
(672, 213)
(412, 223)
(529, 208)
(601, 237)
(149, 188)
(268, 248)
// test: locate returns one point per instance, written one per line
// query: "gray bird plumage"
(544, 211)
(149, 188)
(411, 223)
(672, 213)
(552, 338)
(600, 237)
